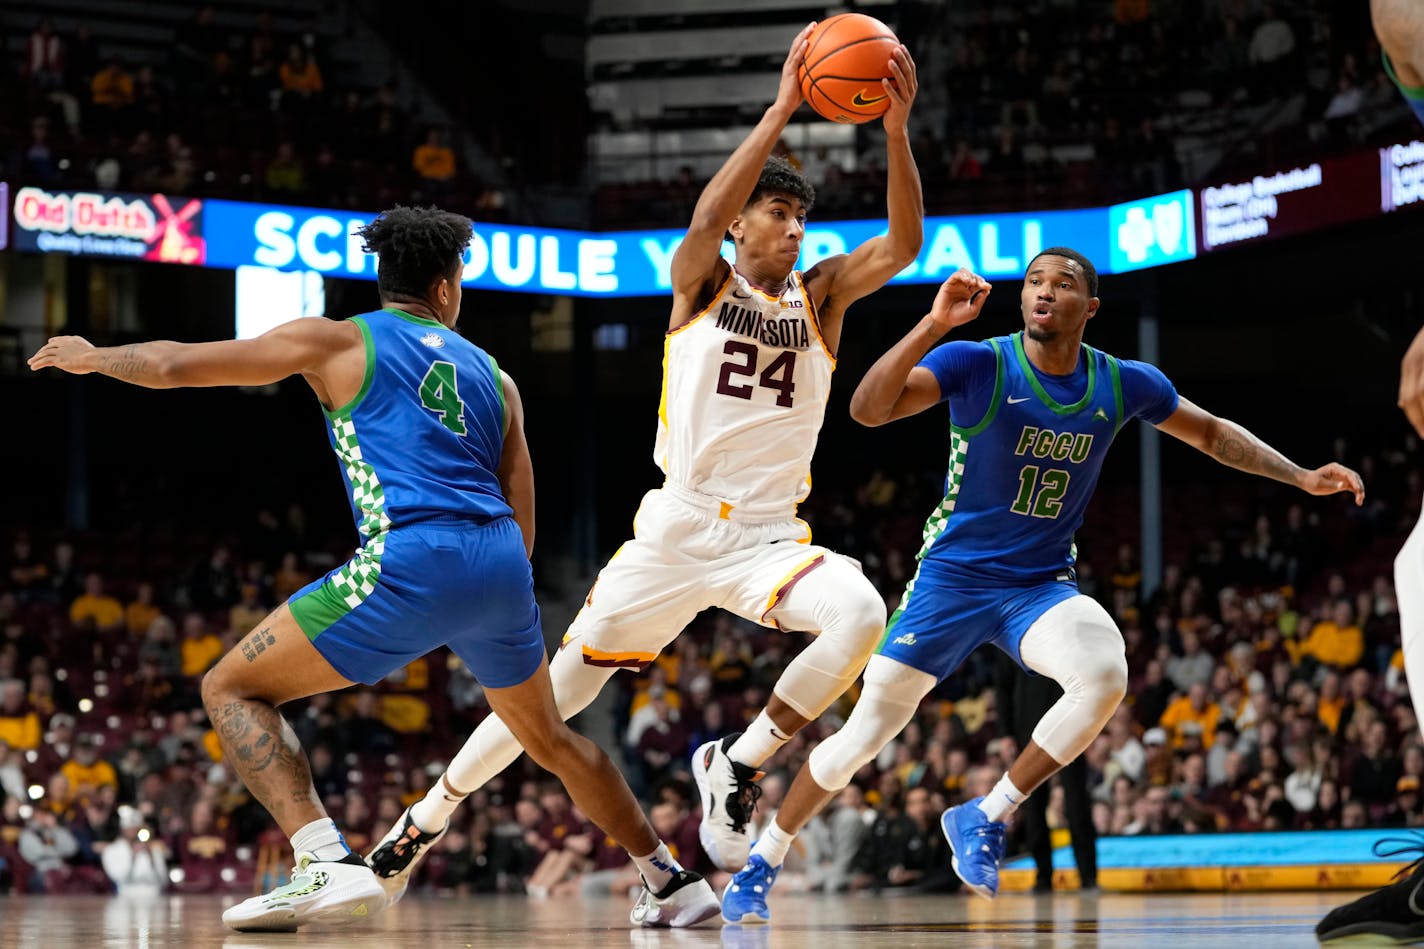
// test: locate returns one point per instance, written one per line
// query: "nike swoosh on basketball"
(860, 101)
(1014, 401)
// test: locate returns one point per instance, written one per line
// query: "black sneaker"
(395, 858)
(1395, 912)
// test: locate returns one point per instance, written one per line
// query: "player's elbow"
(864, 411)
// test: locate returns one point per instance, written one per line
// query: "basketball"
(846, 57)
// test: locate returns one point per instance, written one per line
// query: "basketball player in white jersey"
(747, 371)
(1394, 914)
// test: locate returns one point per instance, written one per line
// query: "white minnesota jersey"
(745, 384)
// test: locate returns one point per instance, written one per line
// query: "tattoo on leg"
(256, 644)
(264, 752)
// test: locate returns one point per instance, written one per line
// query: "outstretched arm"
(897, 386)
(695, 261)
(871, 265)
(1237, 448)
(302, 345)
(516, 469)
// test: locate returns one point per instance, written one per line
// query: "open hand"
(901, 89)
(69, 353)
(1332, 479)
(788, 94)
(960, 299)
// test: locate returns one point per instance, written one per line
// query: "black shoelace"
(1398, 847)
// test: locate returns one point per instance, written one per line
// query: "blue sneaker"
(977, 844)
(744, 900)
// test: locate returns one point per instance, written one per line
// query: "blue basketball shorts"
(405, 592)
(941, 620)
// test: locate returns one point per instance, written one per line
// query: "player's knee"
(1104, 677)
(859, 623)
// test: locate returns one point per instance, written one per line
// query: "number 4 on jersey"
(440, 394)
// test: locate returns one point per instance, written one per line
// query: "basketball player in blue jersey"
(1395, 913)
(747, 368)
(1031, 418)
(429, 433)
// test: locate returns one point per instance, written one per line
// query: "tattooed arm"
(1237, 448)
(304, 346)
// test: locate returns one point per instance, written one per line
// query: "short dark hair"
(416, 246)
(779, 176)
(1089, 271)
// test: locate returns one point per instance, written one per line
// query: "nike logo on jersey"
(741, 295)
(906, 640)
(1014, 401)
(860, 101)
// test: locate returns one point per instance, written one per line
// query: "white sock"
(773, 844)
(1001, 802)
(760, 741)
(433, 811)
(658, 868)
(321, 839)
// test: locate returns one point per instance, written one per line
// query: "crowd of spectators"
(248, 113)
(1267, 692)
(1055, 104)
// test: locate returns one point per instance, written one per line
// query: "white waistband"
(746, 513)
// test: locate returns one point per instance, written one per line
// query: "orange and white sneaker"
(321, 891)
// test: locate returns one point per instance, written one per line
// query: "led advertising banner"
(1290, 201)
(637, 263)
(104, 224)
(1401, 171)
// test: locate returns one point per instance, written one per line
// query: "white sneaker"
(321, 891)
(398, 853)
(729, 795)
(686, 901)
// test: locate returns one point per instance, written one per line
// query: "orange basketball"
(846, 57)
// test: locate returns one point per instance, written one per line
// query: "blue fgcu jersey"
(423, 438)
(1025, 452)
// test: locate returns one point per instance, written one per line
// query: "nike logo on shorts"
(1014, 401)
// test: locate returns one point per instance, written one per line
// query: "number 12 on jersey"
(1049, 485)
(439, 392)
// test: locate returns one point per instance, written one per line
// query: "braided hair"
(416, 247)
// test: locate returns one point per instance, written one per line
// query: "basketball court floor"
(1060, 921)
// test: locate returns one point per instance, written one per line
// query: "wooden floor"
(1066, 921)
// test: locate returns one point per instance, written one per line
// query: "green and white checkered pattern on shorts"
(357, 579)
(939, 520)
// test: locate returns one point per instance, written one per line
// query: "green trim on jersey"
(346, 589)
(499, 387)
(993, 408)
(349, 407)
(412, 318)
(1116, 375)
(1413, 93)
(1041, 392)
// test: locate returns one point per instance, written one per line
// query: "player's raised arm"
(871, 265)
(304, 345)
(695, 262)
(1235, 447)
(897, 386)
(516, 469)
